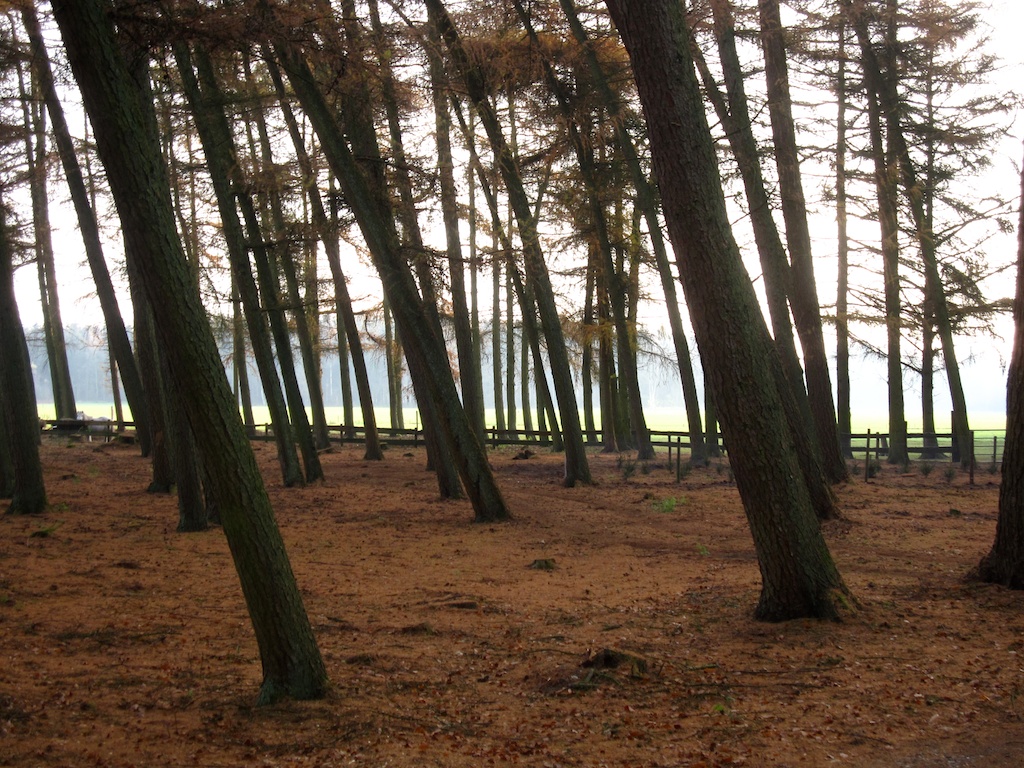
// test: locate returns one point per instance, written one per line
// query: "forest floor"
(630, 642)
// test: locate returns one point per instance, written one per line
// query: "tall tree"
(1004, 564)
(17, 396)
(365, 193)
(799, 577)
(348, 329)
(292, 665)
(648, 203)
(215, 134)
(617, 280)
(37, 158)
(577, 469)
(117, 336)
(803, 292)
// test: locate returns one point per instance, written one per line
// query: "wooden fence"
(986, 448)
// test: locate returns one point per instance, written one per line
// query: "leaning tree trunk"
(117, 336)
(215, 134)
(617, 288)
(799, 577)
(17, 396)
(348, 329)
(292, 665)
(648, 203)
(1004, 564)
(53, 328)
(577, 469)
(428, 360)
(803, 292)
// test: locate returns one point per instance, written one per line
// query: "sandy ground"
(126, 644)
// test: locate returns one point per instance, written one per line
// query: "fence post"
(995, 448)
(970, 457)
(867, 459)
(679, 456)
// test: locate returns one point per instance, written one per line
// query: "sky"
(984, 360)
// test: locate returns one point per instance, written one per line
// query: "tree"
(215, 135)
(117, 336)
(1004, 564)
(17, 396)
(38, 166)
(130, 151)
(577, 469)
(803, 294)
(367, 196)
(799, 578)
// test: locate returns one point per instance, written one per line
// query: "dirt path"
(125, 643)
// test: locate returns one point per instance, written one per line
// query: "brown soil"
(126, 644)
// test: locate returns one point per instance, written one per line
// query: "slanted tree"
(117, 336)
(37, 159)
(577, 469)
(799, 577)
(1004, 564)
(365, 193)
(17, 395)
(215, 135)
(292, 665)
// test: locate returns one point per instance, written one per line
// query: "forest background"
(983, 354)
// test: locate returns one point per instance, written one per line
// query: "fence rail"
(987, 445)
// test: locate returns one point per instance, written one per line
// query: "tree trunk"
(116, 335)
(799, 578)
(883, 84)
(348, 328)
(888, 219)
(292, 665)
(36, 157)
(17, 395)
(803, 292)
(648, 203)
(470, 372)
(1004, 564)
(218, 145)
(428, 359)
(285, 258)
(843, 413)
(577, 469)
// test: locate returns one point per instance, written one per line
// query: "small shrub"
(628, 468)
(667, 506)
(645, 468)
(926, 468)
(874, 468)
(949, 474)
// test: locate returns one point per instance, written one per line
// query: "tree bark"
(1004, 564)
(17, 395)
(803, 292)
(799, 578)
(292, 665)
(215, 135)
(117, 336)
(577, 469)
